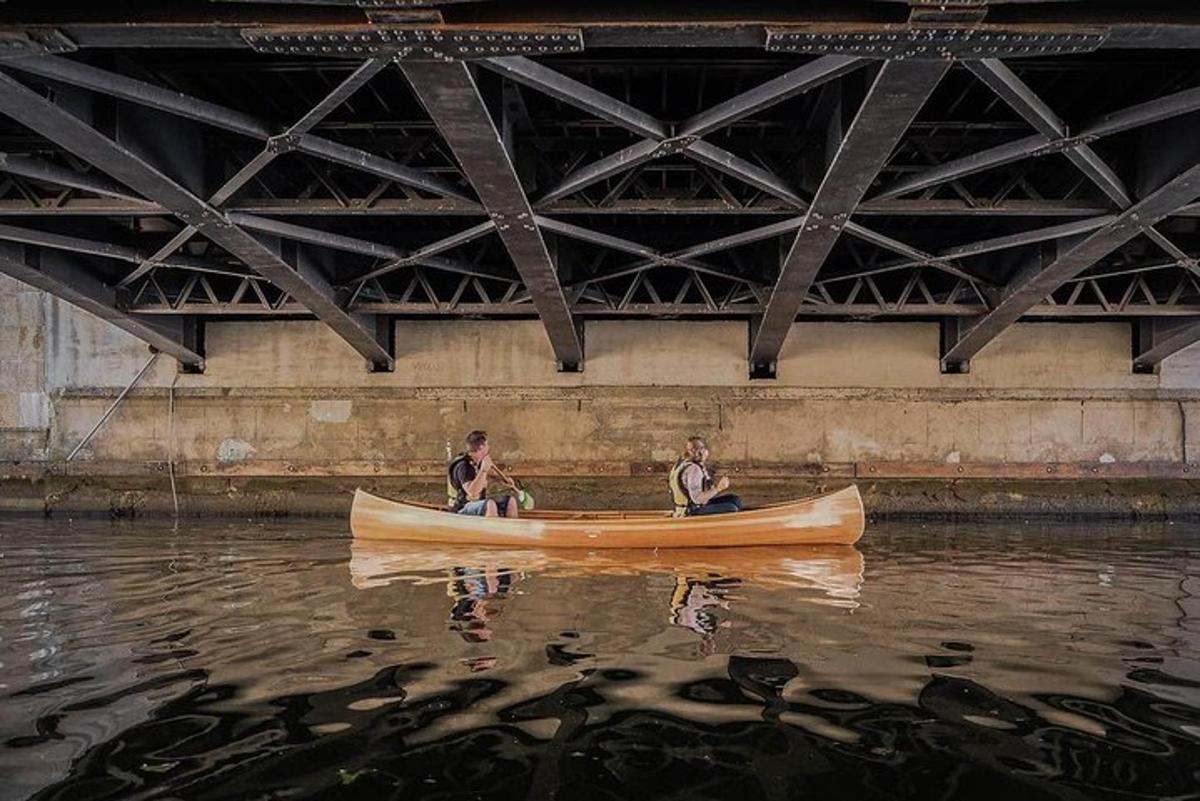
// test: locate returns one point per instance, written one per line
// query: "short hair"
(695, 443)
(476, 439)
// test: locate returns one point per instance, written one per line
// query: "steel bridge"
(974, 162)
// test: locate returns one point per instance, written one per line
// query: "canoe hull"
(833, 519)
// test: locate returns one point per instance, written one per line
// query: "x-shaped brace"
(275, 146)
(1078, 150)
(689, 141)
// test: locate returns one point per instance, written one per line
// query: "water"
(279, 661)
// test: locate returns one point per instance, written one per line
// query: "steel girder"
(895, 97)
(1157, 339)
(450, 95)
(1171, 179)
(780, 207)
(63, 277)
(306, 285)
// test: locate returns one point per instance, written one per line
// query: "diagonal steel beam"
(1005, 83)
(813, 74)
(68, 280)
(894, 99)
(396, 257)
(115, 85)
(996, 75)
(580, 95)
(1021, 97)
(301, 281)
(322, 109)
(425, 255)
(654, 256)
(1161, 339)
(721, 159)
(1031, 237)
(108, 250)
(954, 169)
(39, 170)
(601, 169)
(449, 94)
(1050, 271)
(1038, 144)
(712, 246)
(773, 92)
(658, 141)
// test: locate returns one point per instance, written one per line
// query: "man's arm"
(693, 480)
(477, 485)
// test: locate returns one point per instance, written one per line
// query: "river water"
(252, 661)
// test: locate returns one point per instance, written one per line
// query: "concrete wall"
(292, 392)
(85, 353)
(24, 402)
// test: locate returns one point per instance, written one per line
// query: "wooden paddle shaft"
(503, 477)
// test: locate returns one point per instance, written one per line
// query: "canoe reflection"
(704, 578)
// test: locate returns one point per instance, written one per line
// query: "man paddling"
(467, 482)
(692, 488)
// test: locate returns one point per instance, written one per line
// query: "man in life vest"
(692, 489)
(467, 482)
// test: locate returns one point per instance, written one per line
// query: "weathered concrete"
(860, 401)
(24, 403)
(85, 353)
(255, 497)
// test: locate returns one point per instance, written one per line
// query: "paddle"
(524, 499)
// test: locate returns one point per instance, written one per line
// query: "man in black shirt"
(467, 482)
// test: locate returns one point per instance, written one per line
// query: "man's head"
(477, 444)
(696, 449)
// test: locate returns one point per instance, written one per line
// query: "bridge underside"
(976, 163)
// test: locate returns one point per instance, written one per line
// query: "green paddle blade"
(525, 500)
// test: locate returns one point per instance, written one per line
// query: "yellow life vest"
(453, 493)
(679, 493)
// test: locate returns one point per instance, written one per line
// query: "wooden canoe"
(833, 519)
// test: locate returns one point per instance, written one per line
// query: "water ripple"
(271, 661)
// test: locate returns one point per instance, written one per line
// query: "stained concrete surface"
(290, 396)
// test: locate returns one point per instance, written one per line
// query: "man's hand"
(723, 484)
(486, 464)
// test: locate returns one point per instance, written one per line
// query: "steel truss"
(462, 161)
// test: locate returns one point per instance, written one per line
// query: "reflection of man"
(693, 598)
(473, 589)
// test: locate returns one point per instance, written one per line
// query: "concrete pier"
(285, 419)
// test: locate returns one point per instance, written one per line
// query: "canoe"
(835, 518)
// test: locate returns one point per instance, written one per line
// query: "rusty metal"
(863, 471)
(941, 43)
(1022, 471)
(414, 44)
